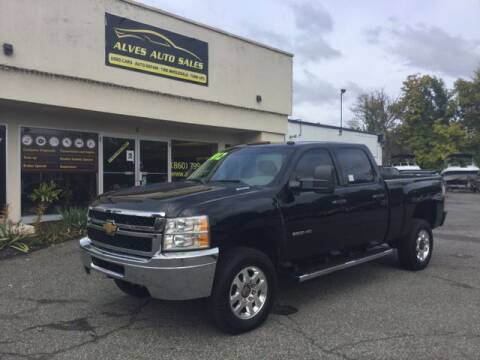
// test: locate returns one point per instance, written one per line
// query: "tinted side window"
(356, 166)
(305, 168)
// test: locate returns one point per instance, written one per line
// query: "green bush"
(44, 195)
(75, 219)
(49, 233)
(10, 236)
(73, 225)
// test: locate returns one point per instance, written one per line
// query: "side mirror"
(323, 180)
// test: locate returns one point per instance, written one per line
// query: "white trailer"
(299, 130)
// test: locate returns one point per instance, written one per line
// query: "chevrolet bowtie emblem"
(110, 227)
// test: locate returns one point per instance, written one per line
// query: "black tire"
(410, 257)
(132, 289)
(229, 268)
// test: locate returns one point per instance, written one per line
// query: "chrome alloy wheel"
(248, 292)
(423, 245)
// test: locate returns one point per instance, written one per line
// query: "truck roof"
(296, 144)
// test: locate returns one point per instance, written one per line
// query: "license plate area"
(109, 266)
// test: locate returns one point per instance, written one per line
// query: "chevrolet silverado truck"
(254, 214)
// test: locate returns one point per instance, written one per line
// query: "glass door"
(153, 163)
(118, 163)
(3, 171)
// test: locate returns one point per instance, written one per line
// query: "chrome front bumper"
(171, 276)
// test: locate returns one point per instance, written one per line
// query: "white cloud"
(428, 47)
(313, 22)
(312, 17)
(313, 90)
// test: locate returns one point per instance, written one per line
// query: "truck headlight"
(186, 233)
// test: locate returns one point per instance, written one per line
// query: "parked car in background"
(251, 213)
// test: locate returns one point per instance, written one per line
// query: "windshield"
(404, 162)
(252, 166)
(460, 161)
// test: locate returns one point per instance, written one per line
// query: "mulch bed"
(9, 253)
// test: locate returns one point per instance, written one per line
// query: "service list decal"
(58, 150)
(140, 47)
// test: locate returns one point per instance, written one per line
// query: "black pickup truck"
(254, 214)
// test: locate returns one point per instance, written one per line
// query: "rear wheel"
(415, 250)
(244, 290)
(132, 289)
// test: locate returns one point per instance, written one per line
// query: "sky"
(361, 46)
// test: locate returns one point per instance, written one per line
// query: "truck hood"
(168, 198)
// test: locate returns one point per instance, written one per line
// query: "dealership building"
(97, 95)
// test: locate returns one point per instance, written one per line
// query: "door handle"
(378, 196)
(339, 202)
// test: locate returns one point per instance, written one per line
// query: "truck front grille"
(127, 242)
(123, 219)
(136, 234)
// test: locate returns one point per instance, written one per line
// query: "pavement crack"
(95, 337)
(371, 340)
(454, 282)
(49, 301)
(294, 326)
(79, 324)
(38, 304)
(402, 336)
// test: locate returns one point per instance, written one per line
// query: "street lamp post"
(342, 91)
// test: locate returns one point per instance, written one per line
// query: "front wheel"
(415, 250)
(243, 291)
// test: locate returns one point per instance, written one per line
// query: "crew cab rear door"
(312, 218)
(366, 208)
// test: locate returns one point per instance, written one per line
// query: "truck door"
(311, 218)
(366, 209)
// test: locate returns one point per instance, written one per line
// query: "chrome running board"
(327, 269)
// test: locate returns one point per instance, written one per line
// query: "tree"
(446, 139)
(467, 110)
(375, 112)
(467, 101)
(426, 128)
(427, 119)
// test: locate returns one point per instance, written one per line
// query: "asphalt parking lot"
(50, 309)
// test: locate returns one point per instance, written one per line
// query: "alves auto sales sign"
(144, 48)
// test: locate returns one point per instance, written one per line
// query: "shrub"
(75, 219)
(49, 233)
(43, 196)
(11, 236)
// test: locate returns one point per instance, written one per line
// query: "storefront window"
(153, 161)
(118, 163)
(67, 158)
(188, 156)
(78, 190)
